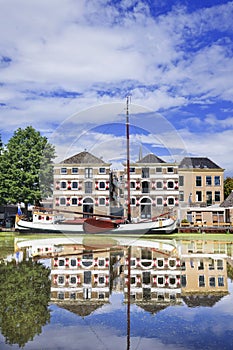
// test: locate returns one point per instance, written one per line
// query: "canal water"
(116, 293)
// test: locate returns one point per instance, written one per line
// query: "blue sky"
(72, 64)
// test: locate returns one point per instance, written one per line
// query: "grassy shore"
(179, 236)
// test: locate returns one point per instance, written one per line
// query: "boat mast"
(128, 160)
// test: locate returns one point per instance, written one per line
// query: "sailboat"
(158, 224)
(95, 223)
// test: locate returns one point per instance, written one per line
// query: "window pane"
(181, 180)
(217, 196)
(208, 181)
(217, 180)
(198, 181)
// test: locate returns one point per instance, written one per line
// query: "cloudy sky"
(67, 66)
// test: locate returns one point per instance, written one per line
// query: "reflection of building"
(154, 276)
(153, 273)
(204, 269)
(80, 275)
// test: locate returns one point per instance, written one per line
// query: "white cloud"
(86, 47)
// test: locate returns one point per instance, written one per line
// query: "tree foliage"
(26, 168)
(228, 186)
(24, 295)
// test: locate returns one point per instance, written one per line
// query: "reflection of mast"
(128, 296)
(128, 160)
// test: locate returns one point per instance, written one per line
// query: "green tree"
(26, 163)
(24, 295)
(228, 186)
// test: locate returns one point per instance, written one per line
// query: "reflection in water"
(24, 296)
(150, 274)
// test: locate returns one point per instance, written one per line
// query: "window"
(217, 180)
(101, 262)
(74, 185)
(160, 280)
(63, 171)
(73, 280)
(88, 173)
(61, 279)
(159, 201)
(220, 264)
(158, 170)
(181, 180)
(201, 265)
(101, 296)
(159, 184)
(146, 277)
(217, 196)
(74, 170)
(170, 201)
(72, 296)
(102, 185)
(208, 197)
(101, 280)
(198, 181)
(61, 295)
(63, 185)
(73, 262)
(220, 281)
(172, 263)
(88, 187)
(62, 201)
(61, 262)
(74, 201)
(212, 281)
(172, 280)
(132, 184)
(102, 170)
(170, 184)
(102, 201)
(132, 170)
(145, 187)
(201, 281)
(181, 196)
(132, 280)
(160, 263)
(198, 196)
(183, 281)
(145, 173)
(208, 181)
(133, 201)
(87, 277)
(170, 170)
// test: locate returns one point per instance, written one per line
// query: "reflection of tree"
(24, 297)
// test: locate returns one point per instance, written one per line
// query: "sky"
(66, 68)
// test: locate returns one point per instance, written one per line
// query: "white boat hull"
(150, 227)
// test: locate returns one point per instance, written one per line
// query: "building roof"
(150, 158)
(198, 163)
(228, 201)
(83, 158)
